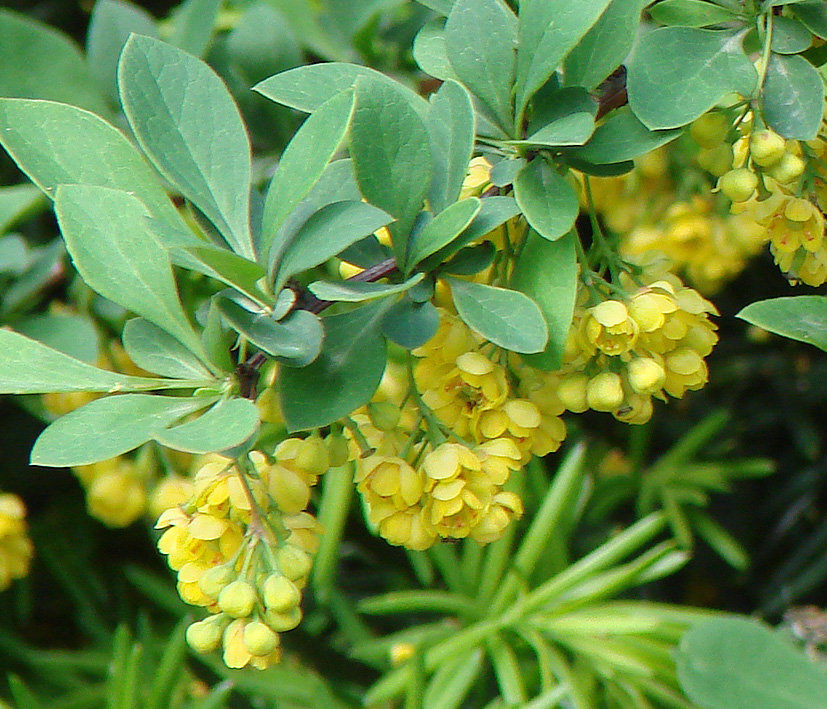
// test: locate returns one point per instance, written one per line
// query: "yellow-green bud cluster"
(241, 555)
(16, 548)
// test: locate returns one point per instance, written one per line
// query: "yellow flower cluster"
(621, 352)
(470, 393)
(16, 548)
(709, 248)
(116, 491)
(242, 545)
(455, 493)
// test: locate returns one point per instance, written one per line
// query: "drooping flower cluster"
(242, 545)
(775, 183)
(16, 548)
(622, 351)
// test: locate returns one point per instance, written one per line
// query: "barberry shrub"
(410, 303)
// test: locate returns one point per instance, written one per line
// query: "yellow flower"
(16, 548)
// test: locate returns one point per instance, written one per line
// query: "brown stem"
(247, 372)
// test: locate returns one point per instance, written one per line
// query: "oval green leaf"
(505, 317)
(547, 201)
(799, 317)
(227, 424)
(793, 97)
(108, 427)
(188, 125)
(155, 350)
(441, 230)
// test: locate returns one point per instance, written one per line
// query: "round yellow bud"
(717, 160)
(766, 147)
(604, 392)
(260, 639)
(280, 594)
(282, 622)
(237, 599)
(214, 580)
(710, 129)
(293, 562)
(646, 376)
(205, 635)
(739, 184)
(572, 392)
(788, 169)
(338, 448)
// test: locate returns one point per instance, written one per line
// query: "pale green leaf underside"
(186, 122)
(57, 144)
(30, 367)
(116, 255)
(108, 427)
(227, 424)
(355, 291)
(801, 317)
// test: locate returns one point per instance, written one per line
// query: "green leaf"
(813, 15)
(430, 54)
(108, 427)
(111, 23)
(441, 230)
(800, 317)
(17, 202)
(261, 44)
(55, 144)
(549, 29)
(305, 88)
(410, 324)
(188, 125)
(547, 201)
(117, 256)
(356, 291)
(622, 137)
(38, 62)
(155, 350)
(451, 128)
(480, 36)
(691, 13)
(789, 36)
(30, 367)
(494, 211)
(192, 25)
(566, 118)
(505, 171)
(345, 375)
(454, 679)
(677, 73)
(391, 155)
(227, 424)
(225, 266)
(505, 317)
(295, 341)
(547, 273)
(326, 233)
(605, 46)
(304, 160)
(443, 7)
(738, 663)
(793, 97)
(74, 335)
(216, 339)
(471, 259)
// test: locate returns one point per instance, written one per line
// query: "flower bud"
(384, 414)
(739, 184)
(293, 562)
(237, 599)
(766, 147)
(572, 392)
(282, 622)
(710, 129)
(213, 580)
(338, 448)
(604, 392)
(718, 160)
(205, 635)
(260, 639)
(788, 169)
(646, 376)
(280, 594)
